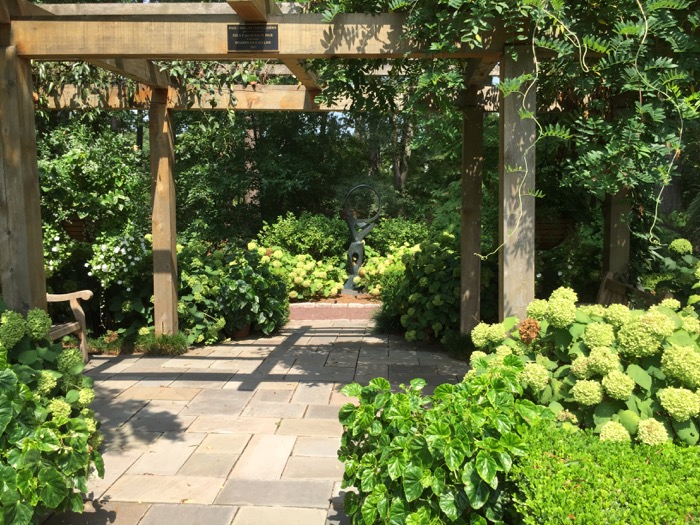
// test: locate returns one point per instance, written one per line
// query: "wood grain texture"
(21, 249)
(516, 216)
(301, 37)
(470, 242)
(163, 215)
(143, 71)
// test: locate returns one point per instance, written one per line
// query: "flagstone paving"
(240, 433)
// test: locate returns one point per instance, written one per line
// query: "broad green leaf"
(368, 479)
(347, 414)
(486, 466)
(420, 517)
(412, 485)
(443, 392)
(605, 411)
(380, 383)
(6, 414)
(352, 390)
(8, 381)
(640, 376)
(437, 481)
(28, 357)
(455, 453)
(504, 461)
(369, 511)
(397, 512)
(395, 466)
(577, 329)
(52, 487)
(513, 443)
(681, 338)
(418, 447)
(448, 505)
(72, 396)
(19, 514)
(418, 384)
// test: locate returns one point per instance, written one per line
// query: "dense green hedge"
(576, 478)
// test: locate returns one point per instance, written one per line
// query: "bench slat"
(59, 330)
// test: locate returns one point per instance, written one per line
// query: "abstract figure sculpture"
(359, 228)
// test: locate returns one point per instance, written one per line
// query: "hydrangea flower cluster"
(59, 408)
(587, 392)
(680, 403)
(682, 364)
(580, 369)
(535, 376)
(529, 330)
(617, 315)
(602, 360)
(673, 304)
(614, 431)
(681, 246)
(658, 323)
(597, 310)
(475, 356)
(561, 312)
(652, 432)
(636, 339)
(484, 334)
(537, 309)
(38, 324)
(598, 334)
(46, 382)
(618, 385)
(13, 328)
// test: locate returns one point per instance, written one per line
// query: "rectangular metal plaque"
(253, 37)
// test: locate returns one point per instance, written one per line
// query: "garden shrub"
(434, 459)
(223, 290)
(315, 235)
(371, 275)
(392, 232)
(575, 478)
(305, 277)
(48, 434)
(677, 271)
(429, 298)
(594, 365)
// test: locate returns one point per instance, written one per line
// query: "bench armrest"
(74, 298)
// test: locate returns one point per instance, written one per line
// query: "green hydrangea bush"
(595, 366)
(305, 277)
(49, 437)
(435, 459)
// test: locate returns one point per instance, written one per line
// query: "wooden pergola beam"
(300, 37)
(142, 71)
(250, 10)
(245, 98)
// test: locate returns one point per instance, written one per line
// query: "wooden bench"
(613, 290)
(76, 327)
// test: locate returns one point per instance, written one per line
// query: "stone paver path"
(242, 433)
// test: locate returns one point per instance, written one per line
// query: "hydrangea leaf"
(640, 376)
(687, 431)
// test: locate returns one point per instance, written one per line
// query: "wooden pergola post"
(470, 242)
(616, 247)
(516, 226)
(21, 251)
(163, 218)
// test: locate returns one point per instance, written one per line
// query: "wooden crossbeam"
(250, 10)
(239, 98)
(143, 71)
(304, 36)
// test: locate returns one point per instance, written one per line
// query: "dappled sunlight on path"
(243, 432)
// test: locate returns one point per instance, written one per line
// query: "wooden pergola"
(125, 38)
